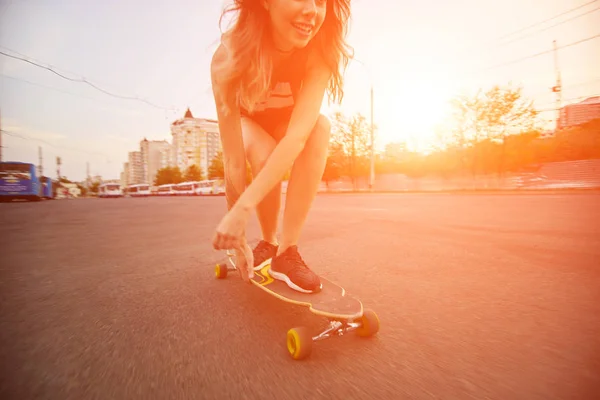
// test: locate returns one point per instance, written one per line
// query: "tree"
(215, 169)
(485, 120)
(168, 175)
(507, 113)
(353, 140)
(94, 186)
(193, 174)
(83, 190)
(335, 163)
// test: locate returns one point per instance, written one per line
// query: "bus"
(211, 187)
(18, 180)
(107, 190)
(187, 188)
(138, 190)
(166, 190)
(47, 188)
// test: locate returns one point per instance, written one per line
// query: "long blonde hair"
(249, 65)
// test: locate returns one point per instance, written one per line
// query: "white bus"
(106, 190)
(211, 187)
(166, 190)
(186, 188)
(139, 190)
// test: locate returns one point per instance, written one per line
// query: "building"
(166, 157)
(144, 150)
(135, 168)
(125, 175)
(195, 141)
(580, 113)
(153, 152)
(212, 139)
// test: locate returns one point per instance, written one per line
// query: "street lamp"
(372, 169)
(372, 174)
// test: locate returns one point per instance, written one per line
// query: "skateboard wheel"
(221, 271)
(299, 343)
(369, 324)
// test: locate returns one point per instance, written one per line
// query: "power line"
(489, 44)
(546, 20)
(45, 87)
(38, 61)
(549, 27)
(536, 54)
(566, 87)
(26, 137)
(83, 80)
(571, 99)
(69, 93)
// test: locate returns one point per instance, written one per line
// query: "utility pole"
(87, 176)
(58, 168)
(558, 88)
(372, 174)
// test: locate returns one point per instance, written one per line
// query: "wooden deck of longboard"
(331, 302)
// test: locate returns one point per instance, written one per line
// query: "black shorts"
(270, 120)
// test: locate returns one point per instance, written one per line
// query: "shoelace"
(262, 248)
(295, 259)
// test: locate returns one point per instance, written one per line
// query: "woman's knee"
(319, 137)
(258, 144)
(323, 125)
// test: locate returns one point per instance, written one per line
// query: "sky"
(416, 55)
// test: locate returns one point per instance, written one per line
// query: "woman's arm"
(230, 131)
(303, 120)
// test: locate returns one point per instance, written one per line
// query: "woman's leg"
(259, 145)
(305, 178)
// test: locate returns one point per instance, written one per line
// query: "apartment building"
(195, 141)
(152, 158)
(580, 113)
(124, 175)
(135, 168)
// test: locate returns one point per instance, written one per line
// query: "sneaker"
(291, 268)
(263, 253)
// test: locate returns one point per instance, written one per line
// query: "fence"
(584, 174)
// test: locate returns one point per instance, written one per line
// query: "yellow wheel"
(299, 343)
(369, 324)
(221, 271)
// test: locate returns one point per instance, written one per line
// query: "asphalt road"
(479, 297)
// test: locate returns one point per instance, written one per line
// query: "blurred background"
(459, 201)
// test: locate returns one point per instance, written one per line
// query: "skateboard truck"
(336, 327)
(300, 339)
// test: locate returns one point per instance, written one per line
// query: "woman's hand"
(231, 235)
(244, 261)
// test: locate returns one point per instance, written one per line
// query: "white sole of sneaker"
(282, 277)
(261, 265)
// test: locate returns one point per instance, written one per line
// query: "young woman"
(269, 76)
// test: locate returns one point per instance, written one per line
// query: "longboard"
(331, 302)
(345, 313)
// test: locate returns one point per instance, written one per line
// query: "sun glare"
(408, 112)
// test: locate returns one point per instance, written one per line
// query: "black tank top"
(286, 83)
